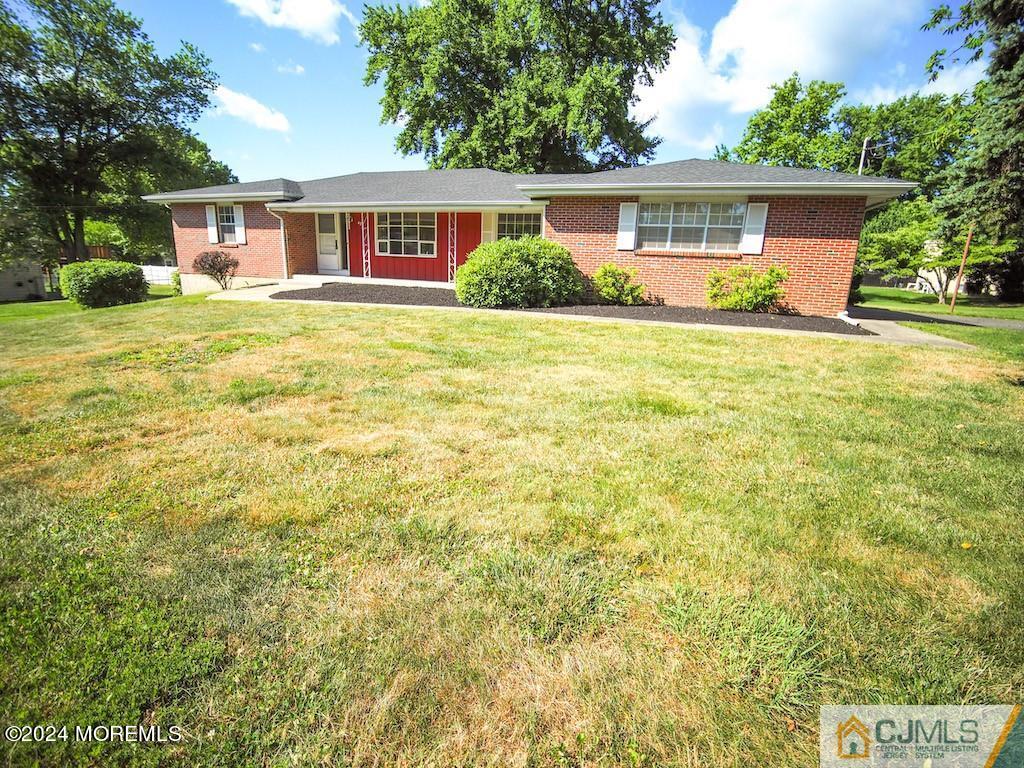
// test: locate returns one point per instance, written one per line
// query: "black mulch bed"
(375, 294)
(441, 297)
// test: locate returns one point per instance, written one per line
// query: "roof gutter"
(425, 206)
(172, 197)
(893, 188)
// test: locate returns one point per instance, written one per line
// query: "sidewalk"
(887, 331)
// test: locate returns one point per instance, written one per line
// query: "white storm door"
(328, 244)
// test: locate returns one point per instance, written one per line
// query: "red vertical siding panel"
(468, 235)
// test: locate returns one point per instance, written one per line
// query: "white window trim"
(707, 218)
(376, 240)
(234, 223)
(497, 223)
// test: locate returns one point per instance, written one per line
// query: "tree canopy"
(910, 239)
(85, 104)
(987, 185)
(518, 85)
(914, 137)
(797, 128)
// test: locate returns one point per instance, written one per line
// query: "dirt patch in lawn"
(442, 297)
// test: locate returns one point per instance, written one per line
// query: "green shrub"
(614, 285)
(176, 283)
(745, 289)
(529, 272)
(103, 283)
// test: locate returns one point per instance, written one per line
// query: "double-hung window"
(226, 224)
(512, 226)
(691, 226)
(406, 234)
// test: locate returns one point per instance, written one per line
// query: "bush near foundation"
(615, 285)
(528, 272)
(744, 289)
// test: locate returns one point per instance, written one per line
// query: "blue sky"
(292, 103)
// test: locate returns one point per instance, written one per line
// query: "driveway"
(900, 316)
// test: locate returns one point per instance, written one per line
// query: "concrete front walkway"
(887, 332)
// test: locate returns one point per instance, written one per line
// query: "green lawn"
(1001, 342)
(23, 310)
(912, 301)
(318, 535)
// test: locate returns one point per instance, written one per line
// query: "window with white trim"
(407, 234)
(512, 226)
(226, 224)
(691, 226)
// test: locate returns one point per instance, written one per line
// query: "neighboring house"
(22, 280)
(673, 222)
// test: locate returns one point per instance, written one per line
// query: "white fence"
(158, 275)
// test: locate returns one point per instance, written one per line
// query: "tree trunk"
(81, 249)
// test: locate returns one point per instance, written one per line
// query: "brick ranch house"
(673, 222)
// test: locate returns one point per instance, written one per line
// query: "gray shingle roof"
(284, 189)
(715, 172)
(481, 185)
(467, 185)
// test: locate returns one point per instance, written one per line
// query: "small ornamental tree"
(909, 239)
(217, 266)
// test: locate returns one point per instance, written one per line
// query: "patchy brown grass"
(420, 538)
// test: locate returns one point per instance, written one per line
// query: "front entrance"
(331, 245)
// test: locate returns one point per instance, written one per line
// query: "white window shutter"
(239, 225)
(752, 241)
(627, 227)
(211, 223)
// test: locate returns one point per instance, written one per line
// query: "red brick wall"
(300, 242)
(259, 257)
(814, 237)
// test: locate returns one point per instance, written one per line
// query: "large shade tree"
(807, 126)
(85, 100)
(988, 184)
(796, 128)
(518, 85)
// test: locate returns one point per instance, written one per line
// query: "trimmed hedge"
(745, 289)
(528, 272)
(103, 283)
(614, 285)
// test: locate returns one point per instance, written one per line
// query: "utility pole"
(960, 274)
(863, 154)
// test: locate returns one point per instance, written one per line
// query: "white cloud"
(761, 42)
(291, 68)
(258, 47)
(315, 19)
(959, 79)
(246, 108)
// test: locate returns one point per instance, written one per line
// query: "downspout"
(174, 245)
(284, 243)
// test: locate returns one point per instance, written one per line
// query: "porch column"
(365, 233)
(453, 234)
